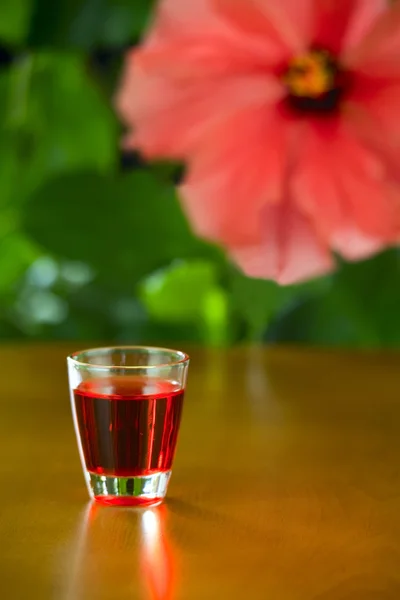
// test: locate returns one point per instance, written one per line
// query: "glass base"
(148, 490)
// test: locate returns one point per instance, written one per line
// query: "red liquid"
(128, 425)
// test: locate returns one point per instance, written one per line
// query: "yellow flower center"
(311, 75)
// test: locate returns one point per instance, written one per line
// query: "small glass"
(127, 404)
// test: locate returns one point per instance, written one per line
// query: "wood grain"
(286, 485)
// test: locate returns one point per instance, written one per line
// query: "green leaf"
(256, 301)
(216, 324)
(188, 292)
(360, 310)
(86, 24)
(369, 292)
(259, 302)
(62, 120)
(14, 20)
(125, 20)
(17, 253)
(125, 227)
(9, 168)
(10, 172)
(52, 22)
(177, 293)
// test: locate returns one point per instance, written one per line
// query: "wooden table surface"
(286, 485)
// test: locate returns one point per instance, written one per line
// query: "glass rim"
(181, 358)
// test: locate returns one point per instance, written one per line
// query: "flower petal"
(378, 54)
(342, 23)
(199, 35)
(375, 102)
(331, 23)
(290, 250)
(192, 71)
(345, 190)
(372, 198)
(367, 187)
(172, 17)
(364, 16)
(204, 56)
(287, 22)
(234, 174)
(313, 184)
(355, 245)
(375, 205)
(170, 114)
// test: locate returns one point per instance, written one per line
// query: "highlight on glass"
(127, 405)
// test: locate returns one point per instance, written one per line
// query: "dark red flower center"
(315, 82)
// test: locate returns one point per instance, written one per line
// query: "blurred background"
(93, 244)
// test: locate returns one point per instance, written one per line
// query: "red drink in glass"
(129, 426)
(127, 423)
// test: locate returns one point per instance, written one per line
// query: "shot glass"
(127, 405)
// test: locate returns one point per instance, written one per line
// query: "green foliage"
(93, 251)
(189, 292)
(123, 226)
(87, 23)
(61, 120)
(177, 293)
(360, 309)
(14, 20)
(16, 254)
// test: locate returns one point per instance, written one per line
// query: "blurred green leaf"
(14, 20)
(124, 226)
(51, 21)
(259, 301)
(86, 24)
(16, 254)
(125, 20)
(188, 292)
(9, 174)
(369, 292)
(62, 121)
(178, 292)
(168, 171)
(9, 163)
(4, 92)
(360, 310)
(216, 325)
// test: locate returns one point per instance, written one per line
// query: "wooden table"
(286, 485)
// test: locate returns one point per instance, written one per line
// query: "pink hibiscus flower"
(287, 113)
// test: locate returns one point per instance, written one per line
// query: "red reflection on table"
(124, 548)
(158, 562)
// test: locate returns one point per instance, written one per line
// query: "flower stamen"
(314, 81)
(311, 74)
